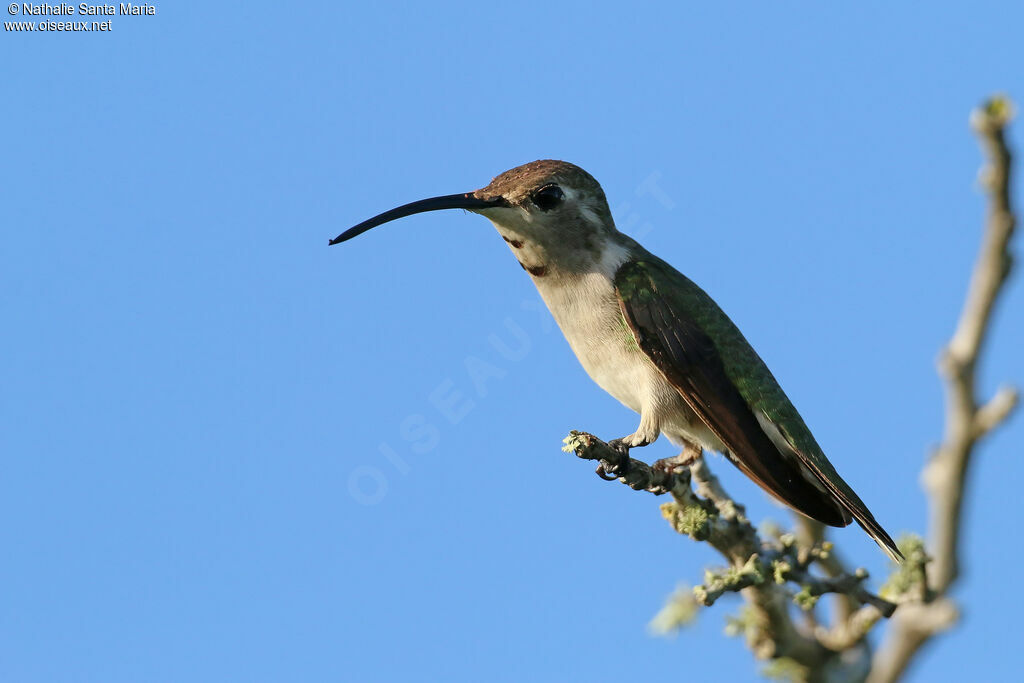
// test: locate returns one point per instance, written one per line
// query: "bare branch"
(811, 533)
(945, 475)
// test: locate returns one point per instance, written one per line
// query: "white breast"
(586, 309)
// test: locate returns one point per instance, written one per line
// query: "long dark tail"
(854, 506)
(836, 506)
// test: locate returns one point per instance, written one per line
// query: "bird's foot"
(676, 462)
(610, 471)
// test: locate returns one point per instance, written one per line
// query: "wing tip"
(894, 553)
(889, 548)
(881, 537)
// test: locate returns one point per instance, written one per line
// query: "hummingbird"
(653, 339)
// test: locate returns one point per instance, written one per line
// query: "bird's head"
(555, 206)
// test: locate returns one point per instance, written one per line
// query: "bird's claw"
(674, 464)
(610, 471)
(619, 446)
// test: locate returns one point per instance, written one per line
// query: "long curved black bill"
(449, 201)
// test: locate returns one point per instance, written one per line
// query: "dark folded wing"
(723, 380)
(690, 361)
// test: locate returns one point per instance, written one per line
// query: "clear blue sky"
(223, 455)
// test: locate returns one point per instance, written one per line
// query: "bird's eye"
(547, 197)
